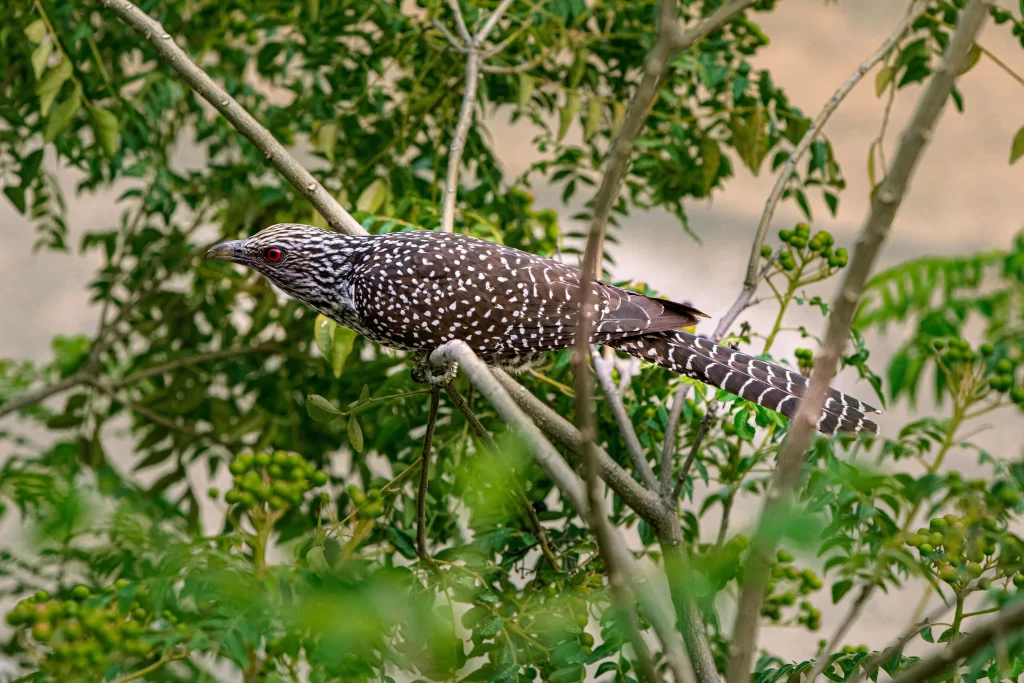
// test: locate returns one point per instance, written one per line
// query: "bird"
(417, 290)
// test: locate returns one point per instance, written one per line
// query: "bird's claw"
(425, 372)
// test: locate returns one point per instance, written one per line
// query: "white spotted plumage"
(417, 290)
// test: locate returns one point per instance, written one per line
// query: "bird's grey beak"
(226, 251)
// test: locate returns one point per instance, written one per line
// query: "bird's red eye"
(273, 254)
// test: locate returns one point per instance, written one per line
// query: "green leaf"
(882, 80)
(750, 137)
(839, 589)
(972, 58)
(344, 338)
(39, 57)
(320, 409)
(105, 126)
(744, 429)
(505, 673)
(17, 196)
(594, 115)
(871, 163)
(325, 138)
(50, 84)
(569, 674)
(567, 115)
(402, 542)
(711, 157)
(526, 87)
(317, 560)
(618, 118)
(355, 433)
(926, 635)
(323, 333)
(62, 115)
(372, 198)
(1017, 148)
(490, 626)
(36, 31)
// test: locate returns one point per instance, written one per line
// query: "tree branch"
(572, 488)
(336, 216)
(481, 433)
(474, 59)
(42, 393)
(1008, 620)
(668, 448)
(752, 278)
(603, 370)
(421, 497)
(873, 233)
(705, 424)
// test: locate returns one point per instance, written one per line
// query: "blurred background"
(964, 198)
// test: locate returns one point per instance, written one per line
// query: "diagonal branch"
(603, 370)
(874, 232)
(474, 59)
(42, 393)
(615, 553)
(336, 216)
(1008, 620)
(421, 494)
(752, 277)
(668, 448)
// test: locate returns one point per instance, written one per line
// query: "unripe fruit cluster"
(799, 240)
(369, 505)
(786, 585)
(278, 481)
(804, 359)
(1003, 378)
(957, 553)
(84, 632)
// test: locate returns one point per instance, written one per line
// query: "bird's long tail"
(765, 384)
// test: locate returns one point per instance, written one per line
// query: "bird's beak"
(226, 251)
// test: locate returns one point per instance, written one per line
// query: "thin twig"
(668, 447)
(421, 496)
(702, 431)
(1009, 620)
(481, 433)
(572, 488)
(171, 366)
(146, 670)
(782, 181)
(873, 234)
(458, 144)
(42, 393)
(840, 634)
(336, 216)
(603, 370)
(459, 21)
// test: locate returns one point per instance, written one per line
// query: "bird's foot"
(425, 372)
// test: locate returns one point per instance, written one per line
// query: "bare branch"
(455, 42)
(603, 370)
(421, 496)
(633, 494)
(460, 22)
(42, 393)
(481, 433)
(775, 196)
(488, 26)
(458, 144)
(705, 424)
(336, 216)
(668, 448)
(873, 233)
(844, 627)
(1008, 620)
(617, 557)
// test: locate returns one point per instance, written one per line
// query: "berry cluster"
(806, 248)
(959, 550)
(369, 505)
(786, 585)
(804, 359)
(79, 635)
(960, 361)
(271, 481)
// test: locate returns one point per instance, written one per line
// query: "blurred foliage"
(226, 483)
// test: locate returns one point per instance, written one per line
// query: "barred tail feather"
(757, 381)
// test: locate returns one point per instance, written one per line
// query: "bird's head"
(308, 263)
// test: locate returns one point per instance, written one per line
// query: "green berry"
(247, 499)
(319, 478)
(1017, 395)
(261, 459)
(798, 242)
(278, 503)
(280, 458)
(803, 230)
(987, 349)
(937, 524)
(232, 496)
(42, 631)
(785, 235)
(948, 573)
(80, 592)
(213, 492)
(974, 569)
(275, 471)
(766, 251)
(1004, 366)
(784, 556)
(1018, 580)
(926, 549)
(237, 467)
